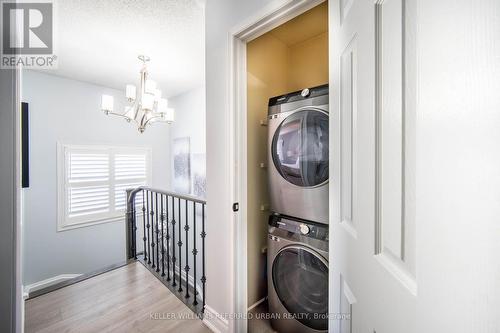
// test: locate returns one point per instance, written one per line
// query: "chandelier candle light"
(147, 107)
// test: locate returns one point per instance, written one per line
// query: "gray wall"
(9, 308)
(63, 110)
(220, 17)
(189, 119)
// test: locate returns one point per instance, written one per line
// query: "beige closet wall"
(266, 64)
(289, 58)
(307, 63)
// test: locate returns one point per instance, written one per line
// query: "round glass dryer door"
(300, 278)
(300, 148)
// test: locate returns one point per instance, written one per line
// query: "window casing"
(92, 182)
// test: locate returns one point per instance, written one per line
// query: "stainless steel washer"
(298, 154)
(297, 268)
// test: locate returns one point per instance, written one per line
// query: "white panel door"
(372, 191)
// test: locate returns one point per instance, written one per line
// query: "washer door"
(300, 148)
(300, 278)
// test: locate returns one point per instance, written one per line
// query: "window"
(92, 182)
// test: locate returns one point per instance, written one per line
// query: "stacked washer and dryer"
(298, 227)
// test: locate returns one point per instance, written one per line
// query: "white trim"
(120, 218)
(256, 304)
(18, 216)
(334, 52)
(48, 282)
(113, 216)
(398, 269)
(238, 130)
(271, 16)
(214, 321)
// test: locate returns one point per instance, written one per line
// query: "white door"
(372, 183)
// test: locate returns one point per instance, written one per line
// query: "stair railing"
(165, 231)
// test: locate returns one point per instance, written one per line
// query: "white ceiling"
(98, 41)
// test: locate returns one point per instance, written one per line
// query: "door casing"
(277, 13)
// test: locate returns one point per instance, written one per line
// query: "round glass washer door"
(300, 278)
(300, 148)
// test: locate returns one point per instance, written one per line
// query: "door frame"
(12, 203)
(271, 16)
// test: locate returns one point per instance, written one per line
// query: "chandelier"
(147, 106)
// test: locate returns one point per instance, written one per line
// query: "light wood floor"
(127, 299)
(259, 323)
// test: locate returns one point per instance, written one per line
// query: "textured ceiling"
(98, 41)
(310, 24)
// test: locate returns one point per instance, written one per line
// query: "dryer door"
(300, 278)
(300, 148)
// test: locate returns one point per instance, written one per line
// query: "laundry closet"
(288, 169)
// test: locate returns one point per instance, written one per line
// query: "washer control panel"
(297, 226)
(304, 229)
(299, 95)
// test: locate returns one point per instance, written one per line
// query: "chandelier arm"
(135, 107)
(154, 117)
(116, 114)
(161, 120)
(142, 123)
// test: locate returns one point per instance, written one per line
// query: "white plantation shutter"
(131, 170)
(121, 195)
(88, 200)
(130, 166)
(88, 166)
(87, 183)
(93, 181)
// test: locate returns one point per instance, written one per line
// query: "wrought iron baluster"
(203, 235)
(148, 226)
(173, 242)
(152, 213)
(162, 237)
(180, 246)
(195, 252)
(186, 268)
(144, 226)
(134, 233)
(157, 235)
(168, 242)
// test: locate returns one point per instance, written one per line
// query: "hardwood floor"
(128, 299)
(259, 322)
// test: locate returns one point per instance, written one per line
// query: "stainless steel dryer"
(298, 154)
(297, 268)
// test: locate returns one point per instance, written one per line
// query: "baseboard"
(47, 283)
(54, 283)
(256, 304)
(214, 321)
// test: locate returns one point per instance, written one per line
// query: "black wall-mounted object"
(25, 146)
